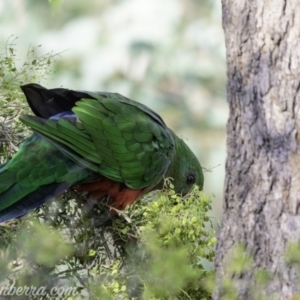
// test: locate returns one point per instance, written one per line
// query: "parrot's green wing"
(114, 136)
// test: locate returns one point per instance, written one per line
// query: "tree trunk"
(262, 185)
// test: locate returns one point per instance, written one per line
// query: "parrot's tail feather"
(32, 201)
(37, 172)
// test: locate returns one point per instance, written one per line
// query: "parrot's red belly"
(119, 194)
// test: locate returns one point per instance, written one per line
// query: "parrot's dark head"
(185, 168)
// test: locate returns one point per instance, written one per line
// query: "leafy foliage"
(166, 243)
(240, 264)
(156, 249)
(12, 75)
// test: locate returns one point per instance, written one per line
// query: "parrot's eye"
(190, 178)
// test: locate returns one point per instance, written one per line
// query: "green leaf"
(55, 5)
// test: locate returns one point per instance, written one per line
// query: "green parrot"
(102, 144)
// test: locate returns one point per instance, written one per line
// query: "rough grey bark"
(262, 185)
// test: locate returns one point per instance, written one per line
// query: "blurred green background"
(168, 54)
